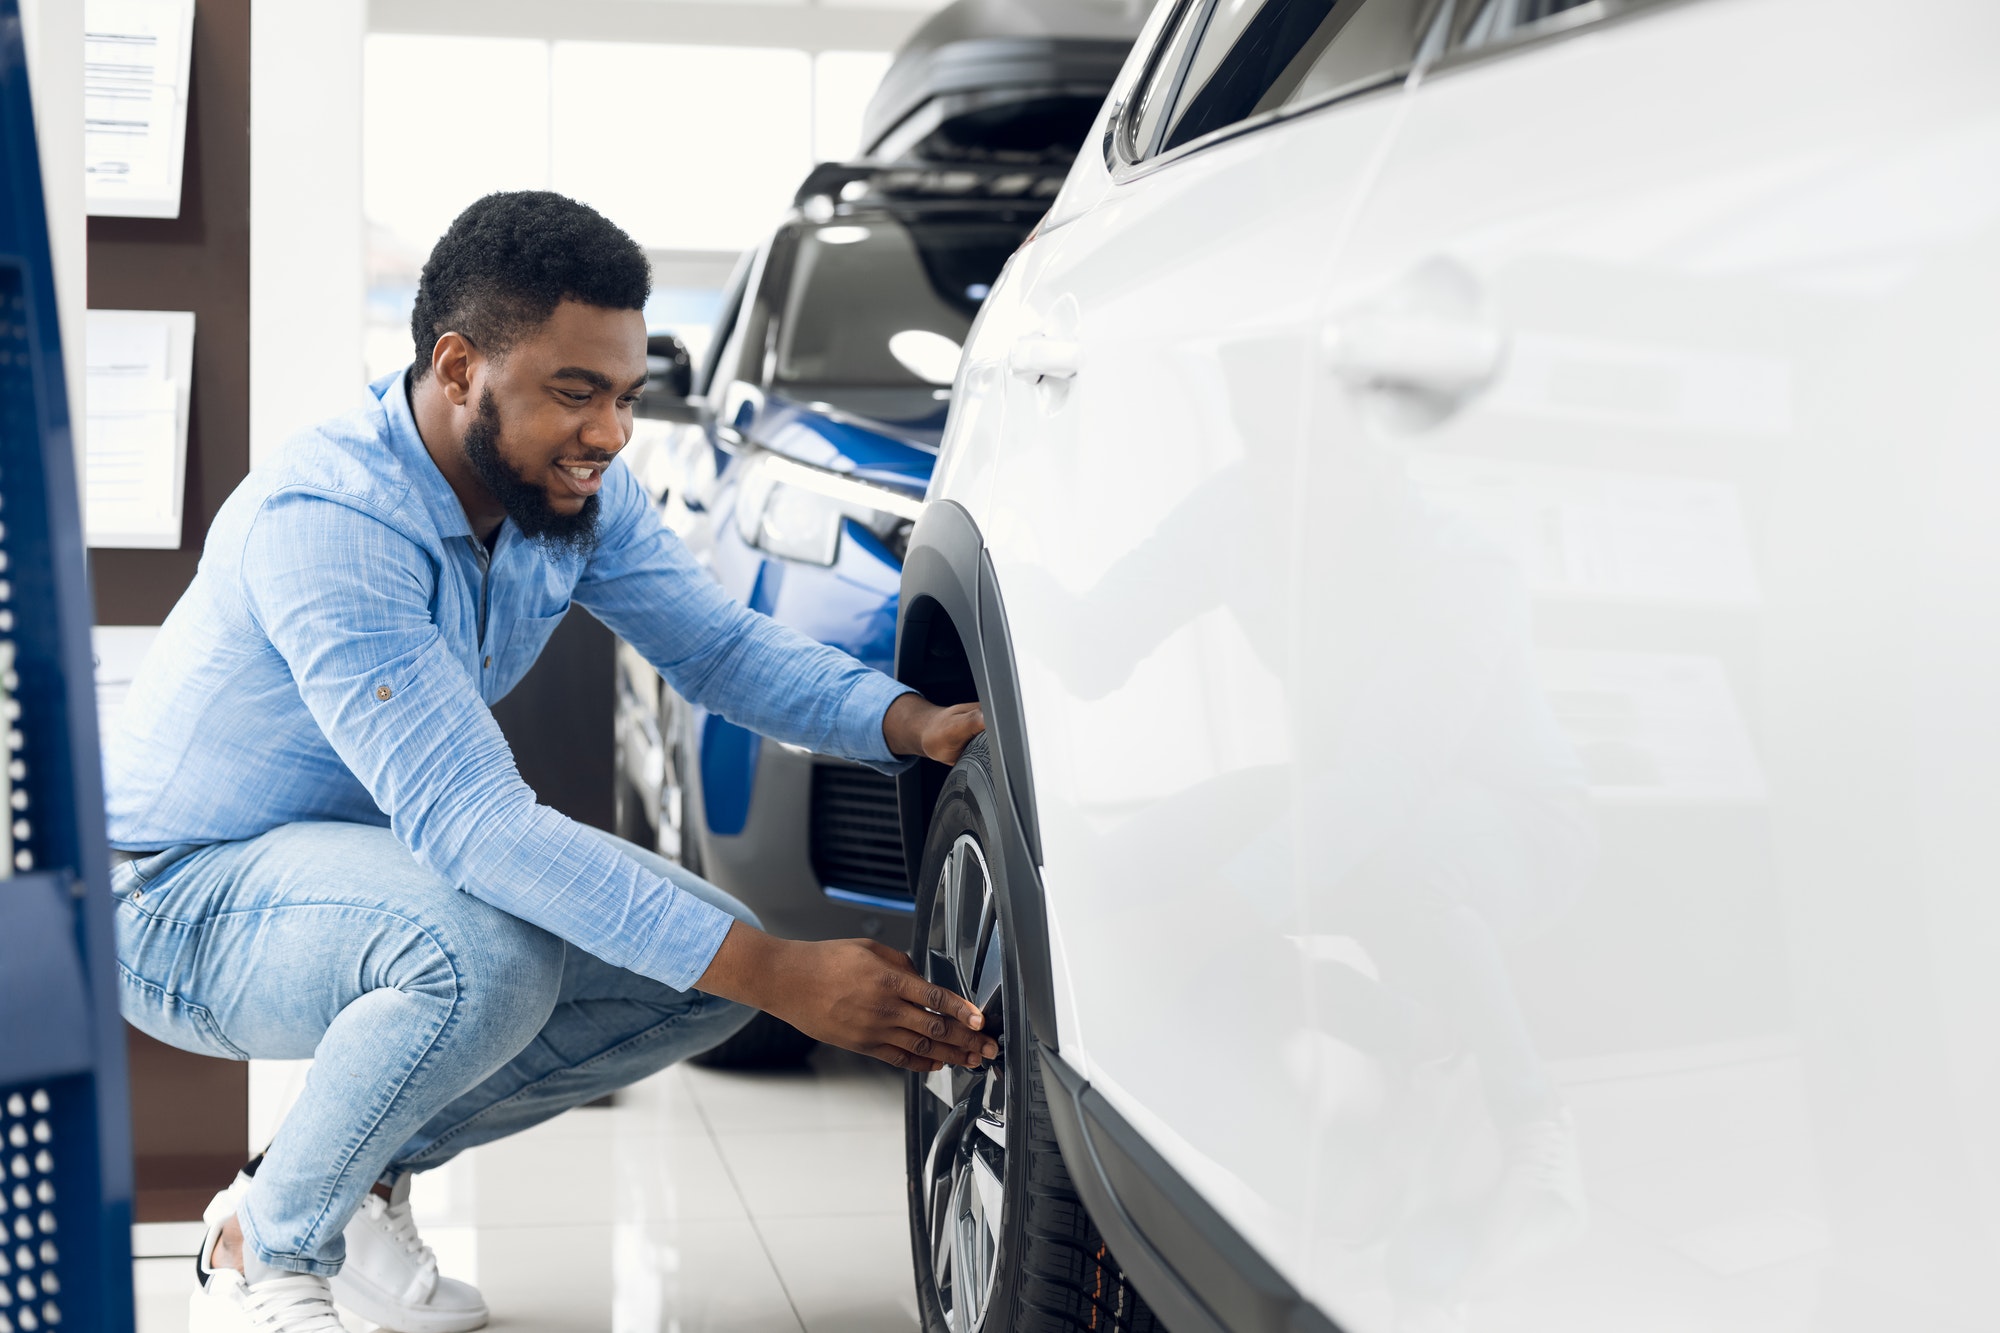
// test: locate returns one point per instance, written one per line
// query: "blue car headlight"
(793, 510)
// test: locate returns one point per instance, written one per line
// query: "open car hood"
(1001, 80)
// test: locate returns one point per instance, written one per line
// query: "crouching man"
(323, 847)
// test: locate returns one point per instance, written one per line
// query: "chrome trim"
(1586, 17)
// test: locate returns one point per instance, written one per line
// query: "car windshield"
(879, 307)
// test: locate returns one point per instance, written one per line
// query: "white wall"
(52, 31)
(866, 25)
(306, 244)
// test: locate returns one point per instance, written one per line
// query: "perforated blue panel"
(65, 1138)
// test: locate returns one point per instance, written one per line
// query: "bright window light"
(686, 147)
(445, 120)
(929, 356)
(841, 235)
(843, 81)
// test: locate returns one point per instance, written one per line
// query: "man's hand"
(860, 995)
(915, 725)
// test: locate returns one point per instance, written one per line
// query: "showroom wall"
(191, 1121)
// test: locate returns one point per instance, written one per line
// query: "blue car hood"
(890, 453)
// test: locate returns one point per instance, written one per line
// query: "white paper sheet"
(117, 652)
(135, 91)
(138, 369)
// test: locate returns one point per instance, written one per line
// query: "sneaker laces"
(299, 1303)
(397, 1220)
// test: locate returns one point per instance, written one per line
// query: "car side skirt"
(1196, 1271)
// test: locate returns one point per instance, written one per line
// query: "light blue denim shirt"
(328, 663)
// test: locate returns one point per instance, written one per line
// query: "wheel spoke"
(985, 953)
(950, 892)
(986, 1181)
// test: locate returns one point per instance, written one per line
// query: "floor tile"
(694, 1277)
(817, 1173)
(533, 1180)
(838, 1091)
(662, 1104)
(845, 1274)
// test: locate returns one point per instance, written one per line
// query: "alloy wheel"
(965, 1114)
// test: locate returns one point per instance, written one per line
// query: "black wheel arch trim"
(1197, 1271)
(946, 571)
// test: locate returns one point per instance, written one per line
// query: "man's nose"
(604, 429)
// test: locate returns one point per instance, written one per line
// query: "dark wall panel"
(199, 261)
(190, 1114)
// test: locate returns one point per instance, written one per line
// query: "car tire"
(974, 1138)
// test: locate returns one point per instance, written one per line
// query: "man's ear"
(451, 364)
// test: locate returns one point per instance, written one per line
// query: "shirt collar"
(440, 500)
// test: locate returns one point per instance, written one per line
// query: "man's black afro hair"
(506, 262)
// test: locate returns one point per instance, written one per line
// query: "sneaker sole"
(378, 1308)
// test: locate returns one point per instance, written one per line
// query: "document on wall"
(135, 94)
(117, 653)
(138, 368)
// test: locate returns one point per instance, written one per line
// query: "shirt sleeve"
(346, 600)
(717, 652)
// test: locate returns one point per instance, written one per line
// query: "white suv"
(1474, 525)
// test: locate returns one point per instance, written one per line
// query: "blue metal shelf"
(65, 1132)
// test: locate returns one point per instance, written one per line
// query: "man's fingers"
(933, 996)
(947, 1035)
(939, 1050)
(902, 1059)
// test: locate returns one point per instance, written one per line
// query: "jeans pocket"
(168, 1018)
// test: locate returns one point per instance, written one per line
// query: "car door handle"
(1408, 350)
(1037, 358)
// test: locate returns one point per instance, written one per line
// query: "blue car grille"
(857, 840)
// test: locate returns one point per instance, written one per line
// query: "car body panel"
(1142, 524)
(1633, 709)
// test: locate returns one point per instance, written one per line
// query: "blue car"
(819, 409)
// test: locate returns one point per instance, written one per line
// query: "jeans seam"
(198, 1014)
(638, 1039)
(386, 1104)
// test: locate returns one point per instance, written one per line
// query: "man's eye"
(578, 398)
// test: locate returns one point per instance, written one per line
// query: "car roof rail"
(923, 182)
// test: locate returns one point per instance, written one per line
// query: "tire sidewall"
(969, 804)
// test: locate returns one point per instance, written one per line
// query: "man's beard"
(527, 504)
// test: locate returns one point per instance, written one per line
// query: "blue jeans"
(436, 1021)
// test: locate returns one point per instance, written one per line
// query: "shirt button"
(489, 661)
(383, 692)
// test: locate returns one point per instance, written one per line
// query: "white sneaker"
(226, 1302)
(1539, 1209)
(391, 1277)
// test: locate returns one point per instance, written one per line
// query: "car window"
(1143, 125)
(1249, 57)
(879, 303)
(1496, 20)
(725, 325)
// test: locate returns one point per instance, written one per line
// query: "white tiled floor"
(701, 1201)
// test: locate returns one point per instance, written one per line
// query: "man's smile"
(583, 479)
